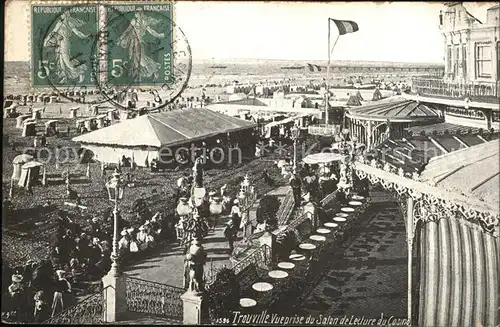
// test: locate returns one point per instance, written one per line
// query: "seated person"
(124, 243)
(142, 239)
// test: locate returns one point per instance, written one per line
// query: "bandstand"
(375, 123)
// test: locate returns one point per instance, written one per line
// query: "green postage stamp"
(139, 44)
(62, 50)
(106, 44)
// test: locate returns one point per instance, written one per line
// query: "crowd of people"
(79, 258)
(41, 290)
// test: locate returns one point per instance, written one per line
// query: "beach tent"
(353, 101)
(358, 94)
(29, 128)
(20, 120)
(377, 95)
(17, 163)
(30, 172)
(252, 92)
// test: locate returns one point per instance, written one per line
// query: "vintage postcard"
(251, 163)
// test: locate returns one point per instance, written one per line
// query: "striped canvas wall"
(459, 283)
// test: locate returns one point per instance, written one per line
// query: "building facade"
(471, 46)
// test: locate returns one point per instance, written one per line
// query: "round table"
(307, 246)
(339, 219)
(277, 274)
(331, 225)
(262, 287)
(347, 209)
(358, 197)
(247, 302)
(319, 238)
(297, 257)
(355, 203)
(286, 265)
(342, 214)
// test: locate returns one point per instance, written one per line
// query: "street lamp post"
(114, 282)
(295, 131)
(115, 192)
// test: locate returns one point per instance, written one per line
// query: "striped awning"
(459, 280)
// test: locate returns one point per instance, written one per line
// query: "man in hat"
(296, 185)
(61, 288)
(236, 214)
(230, 233)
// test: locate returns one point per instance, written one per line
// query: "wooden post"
(88, 171)
(11, 192)
(44, 177)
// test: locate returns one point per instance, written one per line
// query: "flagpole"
(327, 102)
(330, 49)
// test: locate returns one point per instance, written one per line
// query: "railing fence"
(431, 86)
(154, 298)
(89, 311)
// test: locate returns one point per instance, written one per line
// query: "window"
(456, 58)
(448, 59)
(464, 61)
(484, 67)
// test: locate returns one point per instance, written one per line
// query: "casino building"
(437, 148)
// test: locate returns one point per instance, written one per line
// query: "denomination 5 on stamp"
(139, 46)
(62, 38)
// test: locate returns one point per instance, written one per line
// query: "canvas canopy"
(29, 173)
(18, 162)
(474, 171)
(377, 95)
(358, 94)
(143, 136)
(353, 101)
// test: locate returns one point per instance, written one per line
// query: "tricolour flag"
(345, 26)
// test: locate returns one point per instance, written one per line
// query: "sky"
(397, 31)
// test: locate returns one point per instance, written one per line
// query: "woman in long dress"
(132, 40)
(59, 38)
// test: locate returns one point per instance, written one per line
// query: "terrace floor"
(369, 276)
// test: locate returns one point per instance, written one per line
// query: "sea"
(210, 72)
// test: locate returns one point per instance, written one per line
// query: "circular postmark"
(128, 55)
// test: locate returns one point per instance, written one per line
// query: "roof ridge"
(164, 124)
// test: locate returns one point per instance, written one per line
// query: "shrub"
(268, 210)
(223, 295)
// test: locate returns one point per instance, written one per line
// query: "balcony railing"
(475, 91)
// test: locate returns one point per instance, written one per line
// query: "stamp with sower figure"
(62, 38)
(140, 44)
(112, 47)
